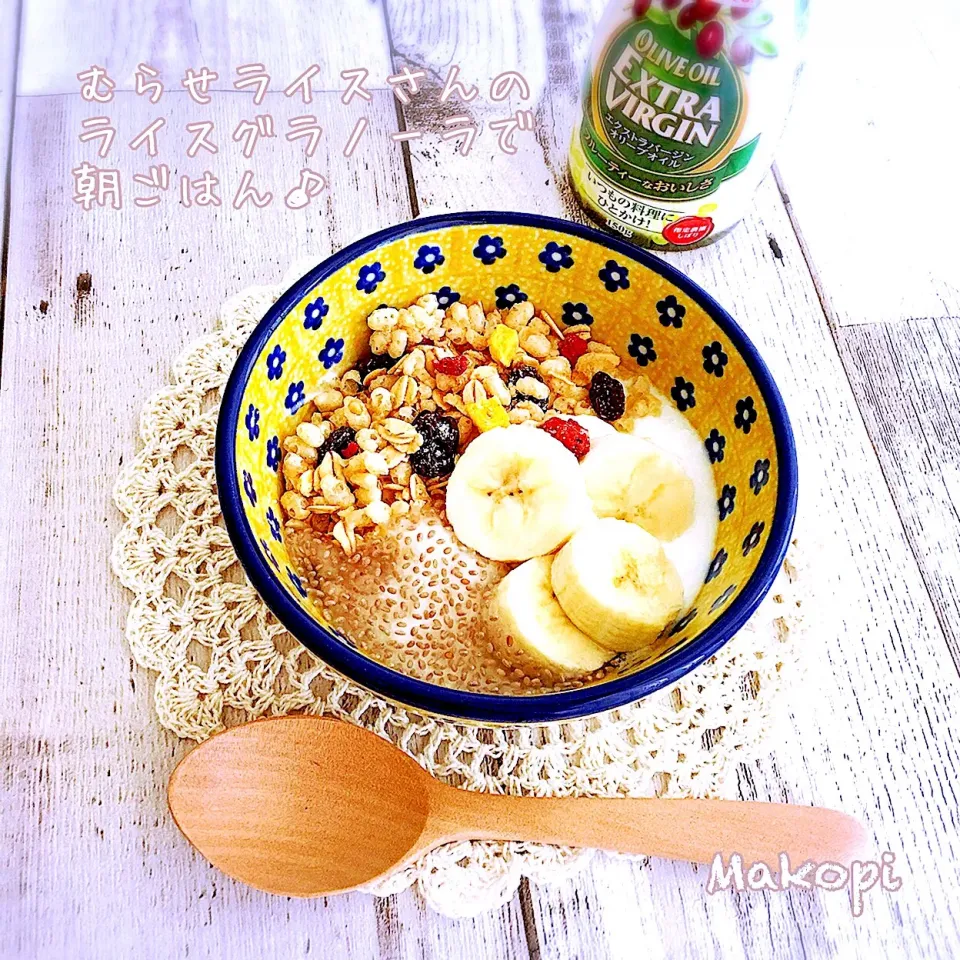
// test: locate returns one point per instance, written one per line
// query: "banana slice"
(629, 478)
(529, 629)
(516, 493)
(614, 581)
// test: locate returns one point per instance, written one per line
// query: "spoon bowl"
(326, 793)
(305, 806)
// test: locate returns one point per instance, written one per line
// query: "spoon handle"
(694, 830)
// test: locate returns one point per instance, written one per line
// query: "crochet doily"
(221, 658)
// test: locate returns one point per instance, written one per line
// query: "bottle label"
(662, 119)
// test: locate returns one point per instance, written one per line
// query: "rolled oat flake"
(682, 107)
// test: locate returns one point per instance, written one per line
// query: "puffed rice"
(327, 398)
(381, 403)
(368, 439)
(311, 434)
(356, 413)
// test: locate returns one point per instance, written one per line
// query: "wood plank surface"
(906, 377)
(62, 38)
(871, 643)
(90, 855)
(866, 161)
(90, 863)
(9, 40)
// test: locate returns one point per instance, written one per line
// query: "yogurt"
(692, 551)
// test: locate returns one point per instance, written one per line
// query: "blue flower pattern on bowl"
(714, 358)
(273, 453)
(671, 312)
(370, 276)
(332, 353)
(295, 397)
(727, 501)
(252, 422)
(683, 622)
(445, 296)
(716, 565)
(614, 276)
(746, 415)
(723, 598)
(489, 250)
(314, 314)
(248, 488)
(752, 540)
(428, 258)
(273, 521)
(714, 444)
(297, 582)
(275, 361)
(576, 314)
(682, 393)
(268, 553)
(508, 296)
(641, 349)
(760, 476)
(556, 257)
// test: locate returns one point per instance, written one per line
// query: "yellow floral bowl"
(658, 320)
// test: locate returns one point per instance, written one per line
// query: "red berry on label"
(741, 53)
(570, 434)
(710, 39)
(572, 347)
(451, 366)
(687, 16)
(640, 7)
(671, 4)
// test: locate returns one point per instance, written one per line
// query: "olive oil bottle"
(683, 104)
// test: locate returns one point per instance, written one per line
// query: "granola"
(365, 455)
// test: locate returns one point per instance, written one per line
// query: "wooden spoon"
(305, 806)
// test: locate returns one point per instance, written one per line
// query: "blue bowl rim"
(483, 707)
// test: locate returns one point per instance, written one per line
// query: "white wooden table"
(859, 319)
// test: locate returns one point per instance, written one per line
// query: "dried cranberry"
(607, 396)
(572, 347)
(342, 442)
(570, 434)
(376, 361)
(451, 366)
(710, 39)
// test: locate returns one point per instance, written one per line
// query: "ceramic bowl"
(657, 319)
